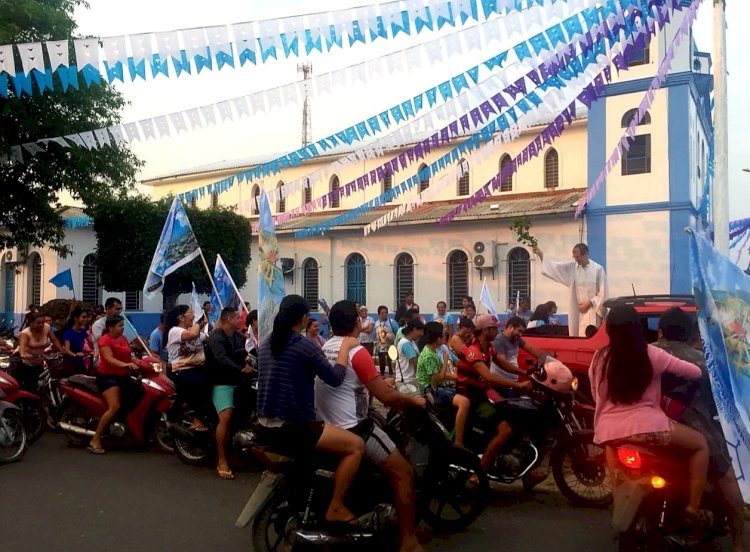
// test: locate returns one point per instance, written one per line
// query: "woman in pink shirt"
(626, 385)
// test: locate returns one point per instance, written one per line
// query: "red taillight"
(629, 458)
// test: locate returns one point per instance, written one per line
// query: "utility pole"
(306, 70)
(720, 203)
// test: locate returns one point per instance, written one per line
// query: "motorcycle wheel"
(162, 437)
(450, 500)
(579, 470)
(16, 435)
(274, 528)
(34, 418)
(74, 414)
(196, 449)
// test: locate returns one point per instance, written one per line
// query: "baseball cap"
(485, 321)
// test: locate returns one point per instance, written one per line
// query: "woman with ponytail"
(287, 366)
(626, 385)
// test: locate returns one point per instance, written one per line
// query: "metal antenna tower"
(306, 70)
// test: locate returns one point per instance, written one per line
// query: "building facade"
(634, 226)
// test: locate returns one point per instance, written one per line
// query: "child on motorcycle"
(626, 385)
(432, 374)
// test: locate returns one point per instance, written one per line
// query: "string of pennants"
(662, 16)
(279, 97)
(232, 45)
(553, 74)
(551, 132)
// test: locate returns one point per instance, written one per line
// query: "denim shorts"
(223, 397)
(444, 395)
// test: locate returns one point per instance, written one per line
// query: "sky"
(280, 131)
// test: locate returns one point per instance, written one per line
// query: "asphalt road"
(64, 498)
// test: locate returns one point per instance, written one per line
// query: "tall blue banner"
(270, 278)
(722, 293)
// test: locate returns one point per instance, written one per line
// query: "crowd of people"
(316, 378)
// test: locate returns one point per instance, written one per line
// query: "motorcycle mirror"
(393, 352)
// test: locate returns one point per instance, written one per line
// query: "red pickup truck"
(576, 352)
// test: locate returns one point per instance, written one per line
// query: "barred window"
(35, 279)
(214, 199)
(404, 284)
(281, 200)
(91, 293)
(133, 301)
(423, 174)
(310, 281)
(356, 278)
(335, 185)
(551, 169)
(637, 160)
(463, 178)
(506, 182)
(458, 278)
(387, 182)
(519, 274)
(256, 200)
(308, 191)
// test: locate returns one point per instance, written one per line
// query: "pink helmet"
(555, 375)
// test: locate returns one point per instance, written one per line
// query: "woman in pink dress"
(626, 385)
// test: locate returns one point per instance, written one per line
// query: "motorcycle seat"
(84, 382)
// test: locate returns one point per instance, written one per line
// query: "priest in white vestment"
(587, 288)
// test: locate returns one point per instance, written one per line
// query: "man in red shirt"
(477, 382)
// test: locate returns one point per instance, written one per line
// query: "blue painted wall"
(597, 155)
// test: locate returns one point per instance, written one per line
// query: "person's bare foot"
(340, 515)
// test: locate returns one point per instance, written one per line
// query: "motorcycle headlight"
(574, 384)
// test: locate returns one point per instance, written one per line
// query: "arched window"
(308, 191)
(194, 200)
(404, 284)
(633, 113)
(214, 200)
(506, 182)
(519, 273)
(458, 278)
(387, 182)
(35, 279)
(637, 159)
(91, 292)
(423, 174)
(334, 188)
(356, 278)
(463, 179)
(256, 200)
(551, 169)
(310, 283)
(280, 198)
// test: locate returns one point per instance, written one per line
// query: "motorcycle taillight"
(629, 458)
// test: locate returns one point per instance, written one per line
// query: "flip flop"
(199, 429)
(95, 450)
(225, 474)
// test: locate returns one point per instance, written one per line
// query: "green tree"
(127, 231)
(32, 191)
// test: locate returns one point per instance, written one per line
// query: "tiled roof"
(500, 206)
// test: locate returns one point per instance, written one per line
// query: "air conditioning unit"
(287, 265)
(11, 256)
(484, 254)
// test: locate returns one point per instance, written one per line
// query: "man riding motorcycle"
(506, 345)
(226, 359)
(476, 381)
(346, 406)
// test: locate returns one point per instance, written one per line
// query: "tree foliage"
(127, 231)
(33, 190)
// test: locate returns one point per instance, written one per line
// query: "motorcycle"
(33, 413)
(199, 447)
(558, 426)
(650, 495)
(288, 505)
(142, 419)
(13, 437)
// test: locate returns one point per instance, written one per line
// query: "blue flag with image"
(722, 294)
(63, 279)
(271, 289)
(177, 246)
(228, 294)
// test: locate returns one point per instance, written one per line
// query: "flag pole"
(210, 278)
(234, 286)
